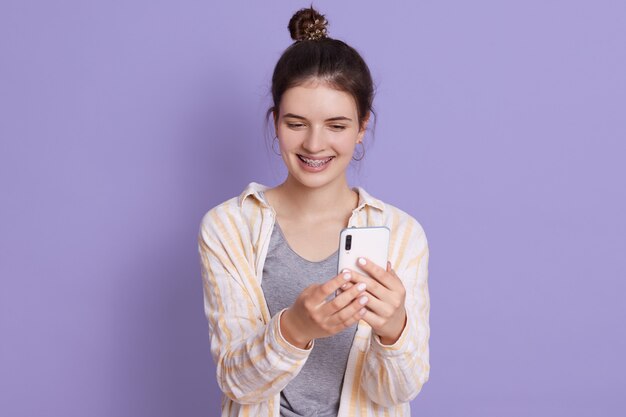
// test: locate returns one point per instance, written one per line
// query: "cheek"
(287, 138)
(345, 143)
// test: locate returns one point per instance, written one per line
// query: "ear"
(275, 117)
(363, 127)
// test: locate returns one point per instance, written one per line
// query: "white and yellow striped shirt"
(254, 362)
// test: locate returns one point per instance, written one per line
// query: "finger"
(378, 306)
(373, 286)
(343, 288)
(378, 323)
(378, 273)
(346, 286)
(373, 319)
(355, 317)
(323, 291)
(374, 270)
(341, 326)
(343, 299)
(343, 316)
(392, 271)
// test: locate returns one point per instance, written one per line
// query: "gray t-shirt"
(315, 391)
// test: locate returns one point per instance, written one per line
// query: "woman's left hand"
(386, 295)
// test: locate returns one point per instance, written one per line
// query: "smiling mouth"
(315, 162)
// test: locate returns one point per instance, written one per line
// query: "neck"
(319, 202)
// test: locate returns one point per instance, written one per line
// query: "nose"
(314, 141)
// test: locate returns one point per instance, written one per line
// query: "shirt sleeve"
(253, 360)
(393, 374)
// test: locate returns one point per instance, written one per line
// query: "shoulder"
(407, 238)
(402, 221)
(213, 221)
(234, 215)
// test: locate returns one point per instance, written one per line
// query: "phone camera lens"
(348, 242)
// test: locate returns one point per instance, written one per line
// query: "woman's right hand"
(311, 316)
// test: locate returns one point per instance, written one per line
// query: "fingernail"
(363, 300)
(343, 271)
(347, 276)
(361, 286)
(362, 311)
(362, 261)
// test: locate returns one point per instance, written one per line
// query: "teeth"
(314, 163)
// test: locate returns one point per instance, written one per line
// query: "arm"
(395, 373)
(253, 360)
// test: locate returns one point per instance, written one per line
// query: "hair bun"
(308, 24)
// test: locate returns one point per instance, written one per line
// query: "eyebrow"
(295, 116)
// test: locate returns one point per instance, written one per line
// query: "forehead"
(318, 100)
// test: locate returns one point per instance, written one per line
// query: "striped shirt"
(253, 360)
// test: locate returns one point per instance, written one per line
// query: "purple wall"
(121, 123)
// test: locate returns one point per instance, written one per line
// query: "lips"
(319, 158)
(315, 162)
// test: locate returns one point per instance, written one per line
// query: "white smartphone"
(370, 242)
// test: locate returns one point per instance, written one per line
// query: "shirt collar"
(253, 188)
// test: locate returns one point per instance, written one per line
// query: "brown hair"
(330, 60)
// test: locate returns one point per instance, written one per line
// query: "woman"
(282, 344)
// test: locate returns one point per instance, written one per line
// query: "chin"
(315, 180)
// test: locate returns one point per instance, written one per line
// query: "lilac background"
(501, 128)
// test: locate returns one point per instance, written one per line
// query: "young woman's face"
(317, 129)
